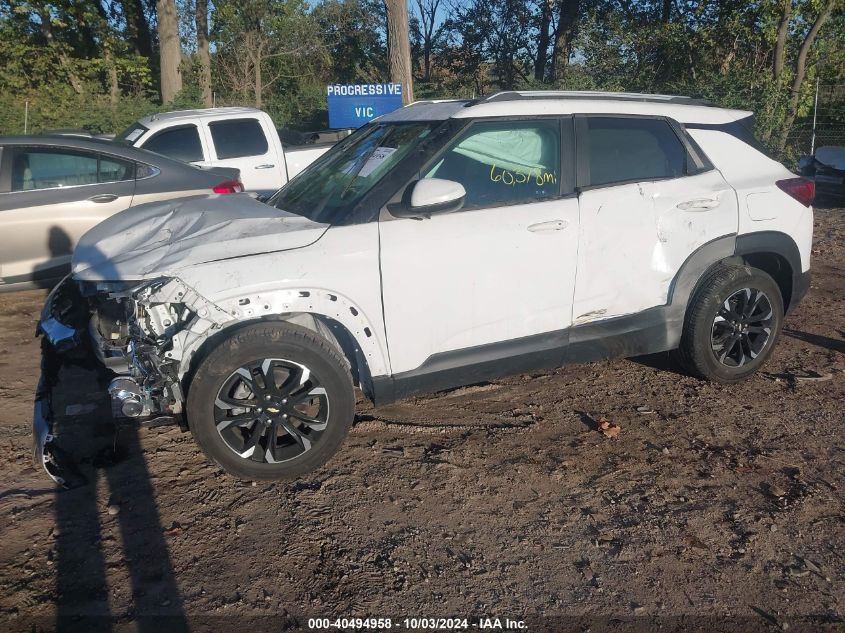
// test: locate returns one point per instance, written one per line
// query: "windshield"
(131, 134)
(341, 177)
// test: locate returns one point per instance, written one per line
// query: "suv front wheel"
(732, 324)
(273, 401)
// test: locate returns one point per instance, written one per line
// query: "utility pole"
(815, 112)
(399, 47)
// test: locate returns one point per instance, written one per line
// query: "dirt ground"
(715, 507)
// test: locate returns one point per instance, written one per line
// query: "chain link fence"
(829, 122)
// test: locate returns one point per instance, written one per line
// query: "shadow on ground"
(112, 484)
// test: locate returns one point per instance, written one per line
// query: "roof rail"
(523, 95)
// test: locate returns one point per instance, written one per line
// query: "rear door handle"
(103, 197)
(264, 166)
(552, 225)
(702, 204)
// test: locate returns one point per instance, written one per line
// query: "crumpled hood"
(161, 238)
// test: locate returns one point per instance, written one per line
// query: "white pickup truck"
(244, 138)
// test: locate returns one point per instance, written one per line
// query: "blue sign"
(353, 105)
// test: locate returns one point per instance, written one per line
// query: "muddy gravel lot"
(714, 507)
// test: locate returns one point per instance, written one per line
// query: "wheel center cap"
(272, 410)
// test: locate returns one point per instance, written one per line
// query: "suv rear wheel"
(732, 324)
(272, 401)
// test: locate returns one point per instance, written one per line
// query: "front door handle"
(552, 225)
(702, 204)
(103, 197)
(264, 166)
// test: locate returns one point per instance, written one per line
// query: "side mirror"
(429, 196)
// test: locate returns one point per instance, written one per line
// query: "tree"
(780, 40)
(497, 42)
(351, 33)
(263, 44)
(430, 33)
(201, 20)
(546, 7)
(567, 27)
(800, 68)
(399, 47)
(137, 28)
(170, 49)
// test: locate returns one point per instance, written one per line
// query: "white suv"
(441, 245)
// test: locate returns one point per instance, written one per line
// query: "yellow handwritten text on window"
(512, 178)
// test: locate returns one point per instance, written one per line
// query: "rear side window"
(114, 169)
(504, 162)
(239, 138)
(630, 149)
(39, 168)
(182, 143)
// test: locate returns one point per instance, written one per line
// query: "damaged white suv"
(441, 245)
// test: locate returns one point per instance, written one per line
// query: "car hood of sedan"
(161, 238)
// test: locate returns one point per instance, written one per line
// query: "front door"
(496, 278)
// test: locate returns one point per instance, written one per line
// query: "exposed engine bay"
(132, 339)
(135, 330)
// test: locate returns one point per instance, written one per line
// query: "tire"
(271, 380)
(718, 316)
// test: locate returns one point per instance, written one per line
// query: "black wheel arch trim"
(778, 243)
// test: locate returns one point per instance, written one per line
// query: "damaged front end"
(136, 330)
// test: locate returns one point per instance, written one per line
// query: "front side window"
(504, 162)
(181, 143)
(340, 178)
(632, 149)
(43, 168)
(239, 138)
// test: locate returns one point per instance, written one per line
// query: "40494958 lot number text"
(424, 624)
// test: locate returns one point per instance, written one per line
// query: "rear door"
(244, 143)
(50, 199)
(648, 200)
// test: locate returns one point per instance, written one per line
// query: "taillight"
(229, 186)
(801, 189)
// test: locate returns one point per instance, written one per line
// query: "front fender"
(284, 304)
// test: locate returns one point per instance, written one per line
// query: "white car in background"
(243, 138)
(443, 244)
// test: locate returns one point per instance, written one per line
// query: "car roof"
(195, 114)
(560, 102)
(94, 145)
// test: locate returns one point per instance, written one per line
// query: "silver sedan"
(53, 189)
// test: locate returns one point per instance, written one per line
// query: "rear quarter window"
(238, 138)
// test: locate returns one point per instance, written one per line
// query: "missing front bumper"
(45, 451)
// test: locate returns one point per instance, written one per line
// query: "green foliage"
(94, 64)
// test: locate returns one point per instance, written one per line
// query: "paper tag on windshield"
(134, 134)
(377, 158)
